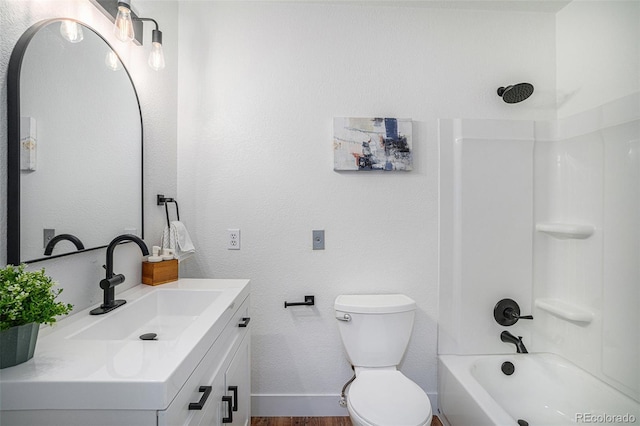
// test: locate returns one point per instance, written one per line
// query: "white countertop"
(66, 373)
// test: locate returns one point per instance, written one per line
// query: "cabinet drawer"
(208, 376)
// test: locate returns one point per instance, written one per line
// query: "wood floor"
(300, 421)
(311, 421)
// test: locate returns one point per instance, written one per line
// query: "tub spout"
(507, 337)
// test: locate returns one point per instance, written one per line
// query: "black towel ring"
(164, 200)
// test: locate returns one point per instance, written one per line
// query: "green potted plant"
(27, 299)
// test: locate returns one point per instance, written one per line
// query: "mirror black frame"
(13, 143)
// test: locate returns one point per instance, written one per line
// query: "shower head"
(516, 93)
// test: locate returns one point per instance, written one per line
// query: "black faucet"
(110, 281)
(507, 337)
(55, 240)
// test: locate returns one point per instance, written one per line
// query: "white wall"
(597, 53)
(79, 274)
(259, 85)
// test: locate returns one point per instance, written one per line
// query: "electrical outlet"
(233, 240)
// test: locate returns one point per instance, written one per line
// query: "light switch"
(318, 239)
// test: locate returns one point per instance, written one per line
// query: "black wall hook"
(308, 301)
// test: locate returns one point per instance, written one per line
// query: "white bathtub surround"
(580, 242)
(577, 273)
(486, 219)
(586, 289)
(544, 389)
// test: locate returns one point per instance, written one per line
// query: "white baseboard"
(308, 405)
(296, 405)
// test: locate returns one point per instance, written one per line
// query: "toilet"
(375, 331)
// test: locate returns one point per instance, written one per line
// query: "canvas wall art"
(366, 144)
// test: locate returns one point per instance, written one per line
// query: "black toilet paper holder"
(308, 301)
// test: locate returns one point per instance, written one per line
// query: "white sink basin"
(165, 312)
(99, 362)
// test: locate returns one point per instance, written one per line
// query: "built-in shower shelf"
(565, 231)
(565, 310)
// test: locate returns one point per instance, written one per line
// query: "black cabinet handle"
(229, 419)
(234, 389)
(245, 322)
(198, 405)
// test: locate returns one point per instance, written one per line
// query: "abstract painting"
(371, 144)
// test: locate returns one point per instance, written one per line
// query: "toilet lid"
(387, 397)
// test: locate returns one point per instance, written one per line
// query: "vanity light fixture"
(71, 31)
(156, 57)
(123, 29)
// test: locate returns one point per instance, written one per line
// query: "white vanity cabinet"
(93, 370)
(218, 391)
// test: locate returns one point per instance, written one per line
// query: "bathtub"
(544, 389)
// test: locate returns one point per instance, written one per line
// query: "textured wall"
(79, 274)
(598, 53)
(259, 86)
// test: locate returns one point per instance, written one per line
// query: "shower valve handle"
(513, 314)
(507, 312)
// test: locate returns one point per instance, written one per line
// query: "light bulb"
(156, 58)
(112, 61)
(71, 31)
(123, 28)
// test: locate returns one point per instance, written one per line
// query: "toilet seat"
(388, 398)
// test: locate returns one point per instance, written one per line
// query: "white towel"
(177, 238)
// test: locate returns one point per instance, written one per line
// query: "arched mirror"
(75, 144)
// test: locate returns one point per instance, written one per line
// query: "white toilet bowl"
(375, 331)
(387, 398)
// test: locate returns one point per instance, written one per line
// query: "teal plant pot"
(17, 344)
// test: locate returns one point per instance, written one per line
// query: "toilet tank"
(379, 328)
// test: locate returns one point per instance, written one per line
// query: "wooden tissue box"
(155, 273)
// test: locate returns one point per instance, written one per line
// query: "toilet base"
(358, 421)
